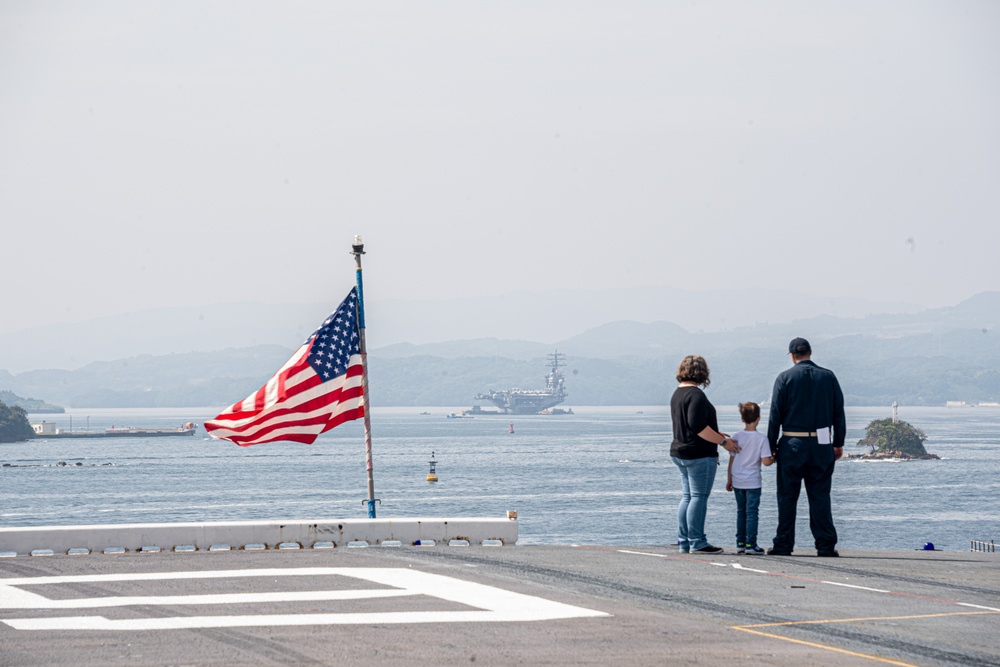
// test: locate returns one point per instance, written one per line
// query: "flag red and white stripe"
(317, 389)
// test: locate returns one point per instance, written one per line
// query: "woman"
(695, 452)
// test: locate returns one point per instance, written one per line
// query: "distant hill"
(29, 404)
(173, 380)
(924, 358)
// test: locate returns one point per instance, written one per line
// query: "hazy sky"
(168, 153)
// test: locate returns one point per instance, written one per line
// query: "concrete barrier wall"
(239, 534)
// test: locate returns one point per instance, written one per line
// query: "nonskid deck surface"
(501, 605)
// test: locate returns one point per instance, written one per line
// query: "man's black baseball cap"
(799, 346)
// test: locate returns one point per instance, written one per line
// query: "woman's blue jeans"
(747, 506)
(697, 478)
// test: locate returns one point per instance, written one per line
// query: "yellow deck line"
(825, 647)
(871, 618)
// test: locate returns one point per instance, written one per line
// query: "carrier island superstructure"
(531, 401)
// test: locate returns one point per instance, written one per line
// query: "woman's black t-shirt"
(691, 412)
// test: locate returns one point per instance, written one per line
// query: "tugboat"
(532, 401)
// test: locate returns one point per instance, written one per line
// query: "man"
(807, 407)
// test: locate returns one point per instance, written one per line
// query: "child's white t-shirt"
(746, 462)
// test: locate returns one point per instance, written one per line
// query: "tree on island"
(14, 425)
(894, 439)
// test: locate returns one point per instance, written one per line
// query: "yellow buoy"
(432, 475)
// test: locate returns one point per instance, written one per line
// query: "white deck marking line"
(38, 601)
(200, 622)
(646, 553)
(160, 576)
(862, 588)
(977, 606)
(492, 604)
(737, 566)
(677, 556)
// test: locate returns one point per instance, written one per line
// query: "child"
(744, 477)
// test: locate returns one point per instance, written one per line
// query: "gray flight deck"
(500, 605)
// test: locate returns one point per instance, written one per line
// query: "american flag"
(317, 389)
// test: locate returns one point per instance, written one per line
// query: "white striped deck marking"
(490, 604)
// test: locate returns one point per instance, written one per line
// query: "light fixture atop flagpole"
(358, 249)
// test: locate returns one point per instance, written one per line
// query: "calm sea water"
(601, 476)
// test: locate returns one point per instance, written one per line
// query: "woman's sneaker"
(754, 550)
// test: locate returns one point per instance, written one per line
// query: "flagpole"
(358, 249)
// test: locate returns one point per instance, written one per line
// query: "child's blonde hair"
(749, 412)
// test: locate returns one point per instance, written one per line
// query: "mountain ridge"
(548, 317)
(952, 354)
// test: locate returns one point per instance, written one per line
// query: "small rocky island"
(14, 425)
(890, 438)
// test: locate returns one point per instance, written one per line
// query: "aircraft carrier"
(532, 401)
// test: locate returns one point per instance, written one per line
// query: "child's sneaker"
(754, 550)
(741, 548)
